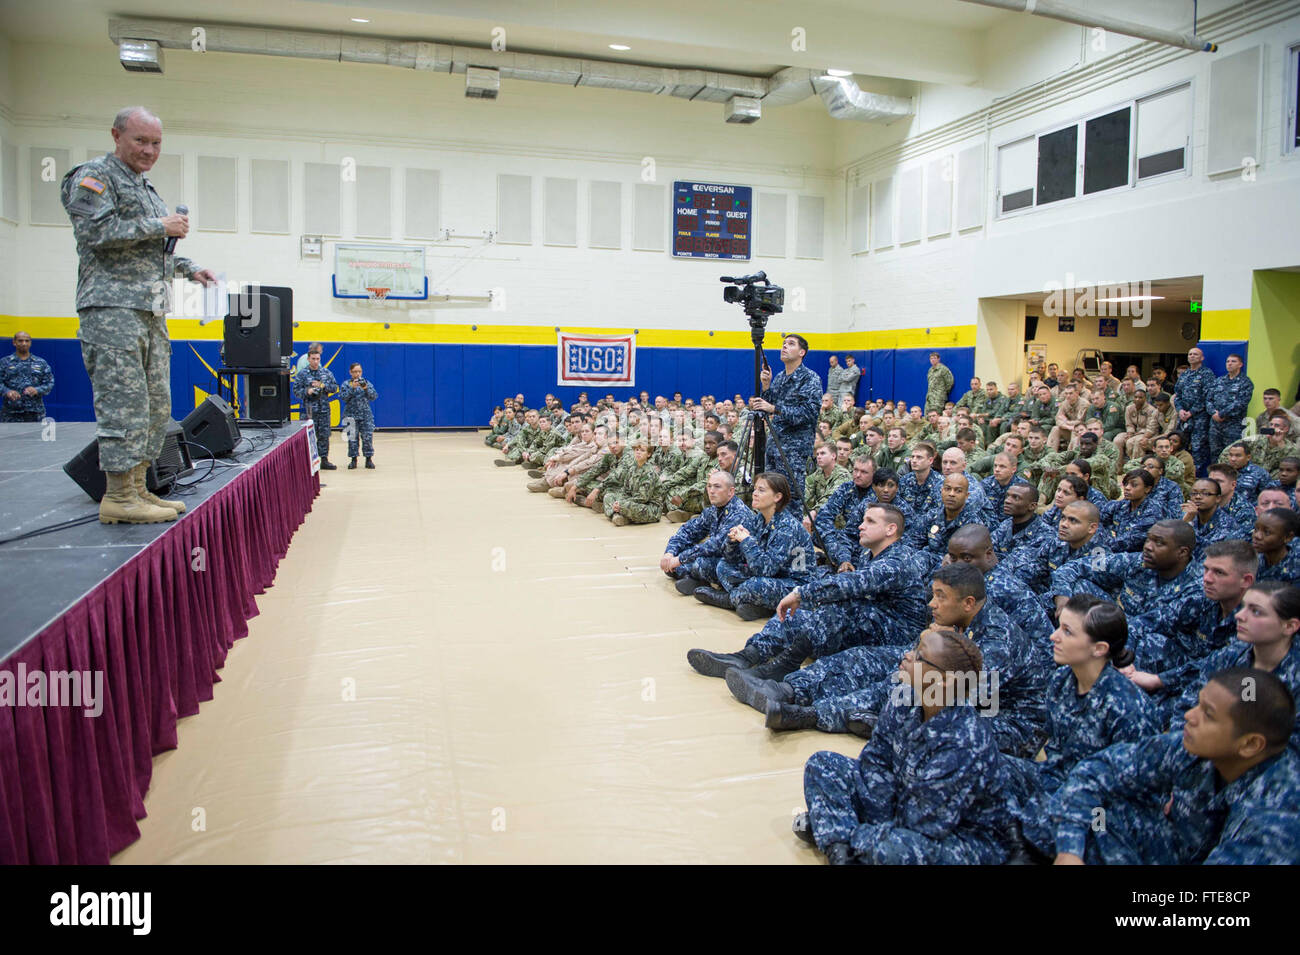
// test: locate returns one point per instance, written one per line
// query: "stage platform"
(148, 610)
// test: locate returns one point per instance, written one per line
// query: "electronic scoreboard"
(711, 221)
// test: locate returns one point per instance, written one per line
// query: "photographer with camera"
(312, 386)
(791, 401)
(356, 396)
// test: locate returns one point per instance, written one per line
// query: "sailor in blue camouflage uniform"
(1226, 404)
(766, 556)
(1251, 478)
(1209, 522)
(312, 386)
(1159, 591)
(1191, 392)
(1232, 501)
(793, 400)
(25, 380)
(356, 394)
(1179, 798)
(1090, 705)
(1125, 522)
(1276, 539)
(1003, 478)
(1265, 640)
(877, 603)
(840, 543)
(852, 686)
(955, 511)
(921, 485)
(928, 789)
(1021, 528)
(693, 552)
(1075, 539)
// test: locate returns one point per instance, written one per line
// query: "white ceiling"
(921, 40)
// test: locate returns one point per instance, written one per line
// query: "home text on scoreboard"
(712, 221)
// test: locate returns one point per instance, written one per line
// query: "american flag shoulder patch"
(93, 184)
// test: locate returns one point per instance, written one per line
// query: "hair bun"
(1123, 659)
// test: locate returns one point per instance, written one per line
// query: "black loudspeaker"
(285, 296)
(173, 462)
(213, 426)
(1031, 327)
(252, 333)
(268, 397)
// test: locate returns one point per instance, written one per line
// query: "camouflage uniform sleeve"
(876, 577)
(327, 379)
(95, 221)
(1125, 771)
(300, 384)
(950, 781)
(1107, 572)
(1258, 837)
(42, 377)
(371, 394)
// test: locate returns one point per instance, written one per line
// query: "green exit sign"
(1196, 307)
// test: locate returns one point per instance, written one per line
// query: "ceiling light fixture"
(839, 72)
(619, 46)
(360, 20)
(1134, 298)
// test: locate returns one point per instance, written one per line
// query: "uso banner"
(596, 359)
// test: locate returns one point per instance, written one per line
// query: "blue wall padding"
(457, 385)
(1216, 357)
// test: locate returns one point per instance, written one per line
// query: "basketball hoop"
(377, 293)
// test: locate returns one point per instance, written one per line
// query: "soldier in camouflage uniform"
(586, 491)
(312, 387)
(1000, 423)
(684, 491)
(995, 408)
(501, 419)
(634, 498)
(939, 382)
(1223, 789)
(123, 293)
(791, 400)
(25, 380)
(929, 788)
(356, 396)
(1191, 392)
(819, 485)
(1125, 522)
(973, 400)
(521, 441)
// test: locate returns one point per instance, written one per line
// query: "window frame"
(1080, 122)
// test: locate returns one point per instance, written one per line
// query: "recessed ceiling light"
(839, 72)
(1134, 298)
(360, 20)
(619, 46)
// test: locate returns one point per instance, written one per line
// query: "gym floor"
(452, 669)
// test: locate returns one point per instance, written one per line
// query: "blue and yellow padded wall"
(442, 376)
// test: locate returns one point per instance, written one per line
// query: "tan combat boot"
(122, 505)
(142, 489)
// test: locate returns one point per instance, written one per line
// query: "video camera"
(759, 303)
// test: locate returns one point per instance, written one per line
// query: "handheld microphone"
(756, 277)
(171, 239)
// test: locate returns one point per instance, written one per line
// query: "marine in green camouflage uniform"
(637, 492)
(939, 382)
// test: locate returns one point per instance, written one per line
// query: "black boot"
(861, 724)
(752, 612)
(325, 464)
(687, 585)
(717, 664)
(802, 827)
(352, 464)
(370, 464)
(785, 662)
(714, 598)
(839, 853)
(788, 716)
(755, 692)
